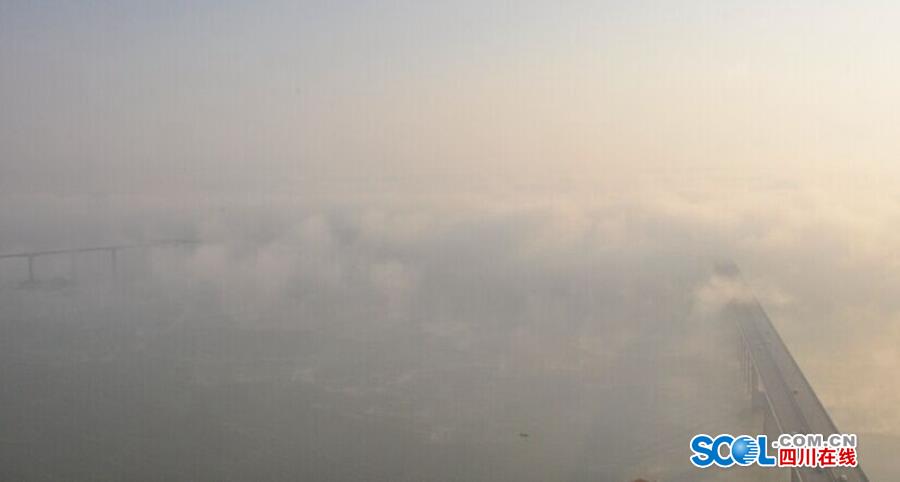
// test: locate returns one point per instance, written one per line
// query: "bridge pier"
(754, 388)
(770, 425)
(31, 269)
(72, 266)
(113, 263)
(757, 394)
(748, 369)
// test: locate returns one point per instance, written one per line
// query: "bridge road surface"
(789, 396)
(31, 256)
(117, 247)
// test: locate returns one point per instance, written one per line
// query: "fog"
(437, 243)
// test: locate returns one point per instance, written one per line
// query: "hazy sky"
(209, 96)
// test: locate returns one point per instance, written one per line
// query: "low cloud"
(621, 288)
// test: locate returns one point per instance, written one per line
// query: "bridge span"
(31, 256)
(777, 384)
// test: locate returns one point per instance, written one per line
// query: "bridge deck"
(116, 247)
(790, 398)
